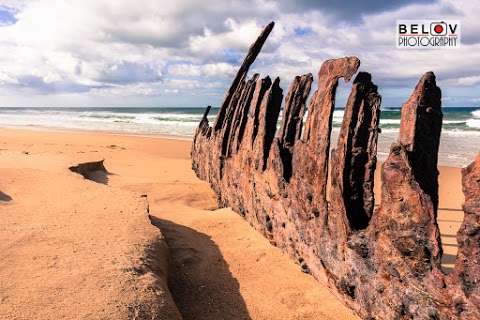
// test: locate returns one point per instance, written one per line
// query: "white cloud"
(126, 90)
(465, 81)
(207, 70)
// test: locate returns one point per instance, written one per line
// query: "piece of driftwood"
(384, 263)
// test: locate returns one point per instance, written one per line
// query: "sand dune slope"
(71, 248)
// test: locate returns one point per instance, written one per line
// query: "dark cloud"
(130, 72)
(123, 73)
(350, 10)
(174, 29)
(38, 85)
(470, 34)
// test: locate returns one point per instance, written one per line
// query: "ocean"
(459, 144)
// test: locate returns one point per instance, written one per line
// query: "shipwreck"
(384, 262)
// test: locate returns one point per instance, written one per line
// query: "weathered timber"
(383, 263)
(420, 133)
(467, 266)
(291, 128)
(242, 72)
(355, 155)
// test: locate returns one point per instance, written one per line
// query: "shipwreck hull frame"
(383, 263)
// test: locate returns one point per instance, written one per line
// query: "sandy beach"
(71, 248)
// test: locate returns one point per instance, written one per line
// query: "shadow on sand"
(199, 279)
(5, 197)
(448, 259)
(94, 171)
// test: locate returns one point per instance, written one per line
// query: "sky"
(154, 53)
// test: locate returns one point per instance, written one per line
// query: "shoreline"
(93, 131)
(381, 155)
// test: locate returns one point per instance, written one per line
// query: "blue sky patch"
(7, 16)
(303, 31)
(232, 56)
